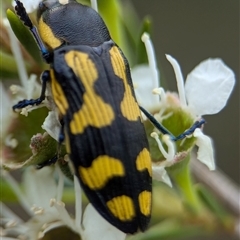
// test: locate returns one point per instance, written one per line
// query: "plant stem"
(182, 177)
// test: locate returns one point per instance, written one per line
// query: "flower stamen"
(168, 155)
(161, 92)
(179, 78)
(160, 115)
(151, 59)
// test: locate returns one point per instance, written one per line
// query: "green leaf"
(24, 36)
(110, 12)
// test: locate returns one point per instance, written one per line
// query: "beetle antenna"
(22, 14)
(163, 130)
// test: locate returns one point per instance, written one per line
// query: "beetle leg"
(27, 102)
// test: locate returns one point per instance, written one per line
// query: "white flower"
(42, 201)
(206, 91)
(95, 227)
(209, 86)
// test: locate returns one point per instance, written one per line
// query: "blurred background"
(192, 31)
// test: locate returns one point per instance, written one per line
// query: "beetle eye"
(46, 5)
(42, 7)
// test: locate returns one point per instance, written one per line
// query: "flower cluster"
(48, 212)
(206, 91)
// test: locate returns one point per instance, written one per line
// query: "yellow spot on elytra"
(145, 202)
(143, 161)
(129, 106)
(94, 111)
(47, 35)
(58, 94)
(102, 169)
(122, 207)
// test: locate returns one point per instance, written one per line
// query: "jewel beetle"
(91, 85)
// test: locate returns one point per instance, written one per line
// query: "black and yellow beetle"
(92, 88)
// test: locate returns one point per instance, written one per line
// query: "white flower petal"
(40, 186)
(160, 174)
(205, 152)
(143, 86)
(96, 227)
(209, 86)
(52, 125)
